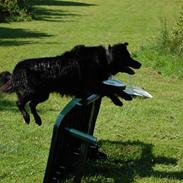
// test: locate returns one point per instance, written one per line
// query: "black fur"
(78, 73)
(4, 77)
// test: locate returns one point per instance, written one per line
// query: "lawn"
(143, 139)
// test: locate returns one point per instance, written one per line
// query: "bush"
(3, 11)
(177, 36)
(164, 54)
(14, 10)
(171, 41)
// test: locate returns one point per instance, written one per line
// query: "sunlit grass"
(143, 139)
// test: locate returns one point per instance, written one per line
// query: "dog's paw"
(124, 95)
(26, 118)
(38, 121)
(116, 100)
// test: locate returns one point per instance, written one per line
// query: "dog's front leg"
(113, 91)
(115, 99)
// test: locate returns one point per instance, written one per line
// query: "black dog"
(78, 73)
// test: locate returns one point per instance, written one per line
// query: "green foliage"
(14, 10)
(164, 64)
(3, 12)
(164, 53)
(171, 40)
(177, 36)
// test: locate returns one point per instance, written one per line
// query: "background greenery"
(143, 139)
(15, 10)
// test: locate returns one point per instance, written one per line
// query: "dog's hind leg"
(21, 106)
(38, 99)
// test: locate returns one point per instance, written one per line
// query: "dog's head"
(121, 61)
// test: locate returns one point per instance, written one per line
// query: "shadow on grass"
(7, 105)
(13, 43)
(44, 11)
(10, 36)
(45, 14)
(59, 3)
(11, 33)
(126, 160)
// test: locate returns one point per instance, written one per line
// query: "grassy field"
(143, 139)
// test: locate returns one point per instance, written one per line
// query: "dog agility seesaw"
(72, 140)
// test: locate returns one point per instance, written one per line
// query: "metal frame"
(72, 135)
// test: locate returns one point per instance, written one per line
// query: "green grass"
(162, 62)
(143, 139)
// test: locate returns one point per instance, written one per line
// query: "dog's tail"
(6, 84)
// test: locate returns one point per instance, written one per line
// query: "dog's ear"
(109, 47)
(126, 44)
